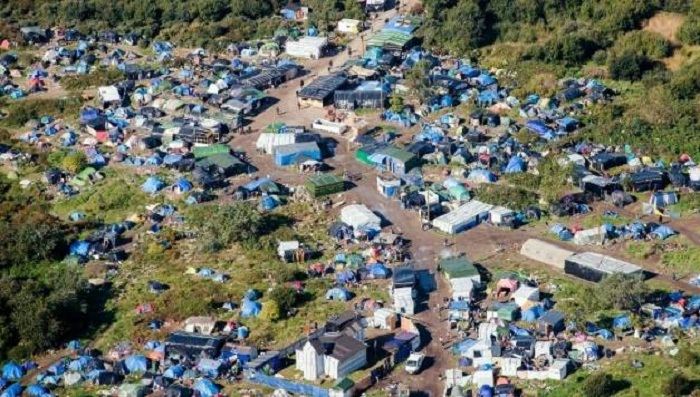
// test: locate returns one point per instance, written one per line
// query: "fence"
(284, 384)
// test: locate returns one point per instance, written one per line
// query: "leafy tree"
(622, 292)
(599, 384)
(284, 297)
(222, 225)
(30, 236)
(628, 66)
(417, 79)
(396, 103)
(74, 162)
(676, 385)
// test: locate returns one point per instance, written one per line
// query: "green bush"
(99, 77)
(628, 66)
(647, 44)
(689, 33)
(21, 112)
(599, 384)
(676, 385)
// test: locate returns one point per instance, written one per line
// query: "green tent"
(208, 150)
(454, 268)
(325, 184)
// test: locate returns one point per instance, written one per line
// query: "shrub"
(677, 385)
(628, 66)
(687, 358)
(284, 297)
(599, 384)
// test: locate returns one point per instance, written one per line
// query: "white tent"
(526, 294)
(358, 216)
(483, 377)
(595, 235)
(497, 214)
(307, 47)
(109, 94)
(547, 253)
(403, 301)
(462, 288)
(510, 366)
(463, 217)
(559, 369)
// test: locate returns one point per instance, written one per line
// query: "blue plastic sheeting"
(300, 389)
(12, 371)
(80, 248)
(154, 345)
(268, 203)
(486, 391)
(459, 305)
(243, 332)
(152, 185)
(74, 345)
(481, 176)
(378, 270)
(533, 313)
(515, 164)
(174, 372)
(171, 159)
(463, 346)
(250, 309)
(183, 185)
(662, 232)
(694, 303)
(205, 272)
(36, 390)
(57, 369)
(664, 199)
(251, 295)
(154, 160)
(562, 232)
(136, 364)
(206, 388)
(338, 294)
(537, 126)
(486, 79)
(79, 364)
(12, 391)
(346, 276)
(622, 322)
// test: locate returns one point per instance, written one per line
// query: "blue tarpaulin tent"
(622, 322)
(562, 232)
(182, 185)
(662, 232)
(338, 294)
(346, 276)
(80, 248)
(515, 164)
(250, 309)
(36, 390)
(136, 364)
(378, 270)
(251, 295)
(12, 391)
(12, 371)
(74, 345)
(174, 372)
(79, 364)
(486, 391)
(57, 369)
(533, 313)
(152, 185)
(205, 387)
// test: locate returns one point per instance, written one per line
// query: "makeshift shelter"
(152, 185)
(250, 308)
(596, 235)
(551, 322)
(481, 176)
(594, 267)
(286, 155)
(359, 216)
(463, 217)
(12, 371)
(136, 364)
(320, 92)
(459, 268)
(15, 390)
(325, 184)
(307, 47)
(338, 294)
